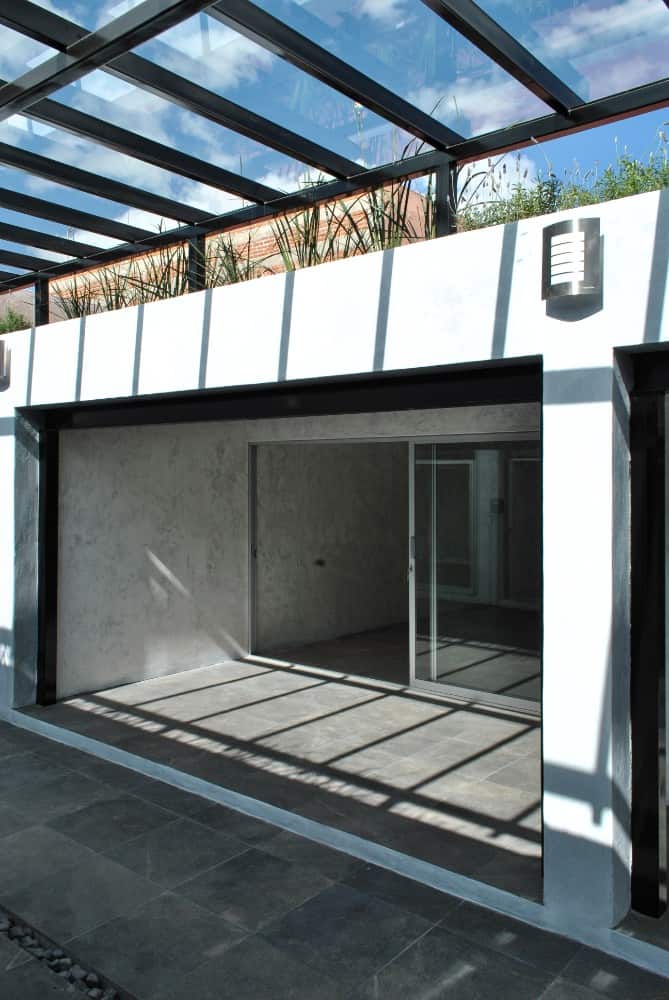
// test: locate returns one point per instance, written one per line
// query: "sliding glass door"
(475, 570)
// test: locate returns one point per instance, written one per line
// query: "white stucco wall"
(465, 298)
(331, 535)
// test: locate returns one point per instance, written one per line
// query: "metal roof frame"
(79, 51)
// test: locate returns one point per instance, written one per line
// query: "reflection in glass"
(89, 15)
(220, 59)
(598, 47)
(18, 53)
(57, 144)
(59, 194)
(105, 96)
(413, 52)
(477, 550)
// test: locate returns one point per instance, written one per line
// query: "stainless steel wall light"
(572, 261)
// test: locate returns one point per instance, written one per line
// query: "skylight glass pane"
(598, 47)
(91, 14)
(18, 54)
(59, 194)
(59, 145)
(114, 100)
(219, 59)
(413, 52)
(54, 229)
(21, 248)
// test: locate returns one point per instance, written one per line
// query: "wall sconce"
(5, 366)
(572, 262)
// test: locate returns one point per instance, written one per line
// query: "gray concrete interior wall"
(332, 537)
(153, 574)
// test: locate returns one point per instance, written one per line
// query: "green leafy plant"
(12, 320)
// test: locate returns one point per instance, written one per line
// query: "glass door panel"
(477, 568)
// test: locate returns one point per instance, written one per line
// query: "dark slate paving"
(175, 852)
(12, 820)
(413, 896)
(255, 913)
(255, 888)
(441, 965)
(22, 770)
(252, 831)
(73, 900)
(32, 854)
(346, 934)
(158, 943)
(611, 977)
(55, 795)
(560, 989)
(106, 823)
(253, 970)
(510, 937)
(335, 864)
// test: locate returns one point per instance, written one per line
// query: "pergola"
(160, 121)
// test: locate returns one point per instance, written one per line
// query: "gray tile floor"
(453, 784)
(175, 898)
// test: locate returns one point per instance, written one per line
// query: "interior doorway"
(407, 562)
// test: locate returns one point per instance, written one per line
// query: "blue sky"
(596, 46)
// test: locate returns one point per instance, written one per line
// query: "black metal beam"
(47, 568)
(121, 140)
(142, 22)
(101, 187)
(277, 37)
(649, 847)
(41, 302)
(40, 24)
(446, 198)
(8, 276)
(72, 218)
(45, 241)
(490, 37)
(12, 259)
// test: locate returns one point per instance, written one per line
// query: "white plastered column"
(586, 646)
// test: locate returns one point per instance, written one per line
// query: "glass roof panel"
(410, 50)
(29, 134)
(215, 57)
(18, 53)
(59, 194)
(54, 229)
(89, 14)
(598, 47)
(114, 100)
(28, 251)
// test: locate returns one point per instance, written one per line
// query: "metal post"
(446, 198)
(41, 302)
(649, 845)
(196, 263)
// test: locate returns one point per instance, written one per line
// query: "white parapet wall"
(471, 297)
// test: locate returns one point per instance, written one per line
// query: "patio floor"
(172, 897)
(450, 783)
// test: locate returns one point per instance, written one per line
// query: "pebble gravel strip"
(90, 983)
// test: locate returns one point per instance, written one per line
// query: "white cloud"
(389, 11)
(475, 106)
